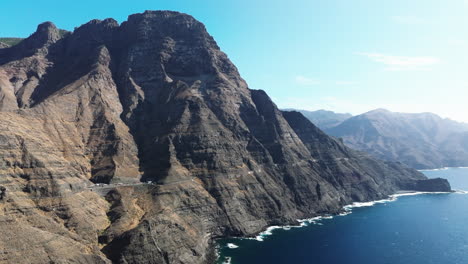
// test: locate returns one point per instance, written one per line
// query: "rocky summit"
(141, 143)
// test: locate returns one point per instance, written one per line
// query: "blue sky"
(342, 55)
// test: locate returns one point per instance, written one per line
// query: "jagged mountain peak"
(46, 27)
(46, 34)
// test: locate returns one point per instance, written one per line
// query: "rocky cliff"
(155, 99)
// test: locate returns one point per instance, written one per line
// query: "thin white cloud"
(306, 81)
(402, 63)
(408, 20)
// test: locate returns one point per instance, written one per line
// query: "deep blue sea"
(418, 229)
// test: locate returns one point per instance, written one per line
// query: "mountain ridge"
(420, 140)
(323, 118)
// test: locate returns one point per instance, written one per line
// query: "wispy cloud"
(305, 81)
(408, 20)
(402, 63)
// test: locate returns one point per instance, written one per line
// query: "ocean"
(411, 229)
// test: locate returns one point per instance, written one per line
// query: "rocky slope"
(324, 119)
(154, 99)
(8, 42)
(421, 141)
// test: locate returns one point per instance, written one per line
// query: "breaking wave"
(444, 168)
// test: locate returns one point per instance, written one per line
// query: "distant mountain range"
(421, 141)
(323, 118)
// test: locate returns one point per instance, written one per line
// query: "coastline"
(347, 209)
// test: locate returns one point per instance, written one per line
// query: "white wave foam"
(232, 245)
(444, 168)
(267, 232)
(416, 193)
(392, 198)
(227, 260)
(461, 191)
(302, 222)
(439, 169)
(349, 207)
(314, 220)
(344, 213)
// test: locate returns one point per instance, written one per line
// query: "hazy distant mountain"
(323, 118)
(419, 140)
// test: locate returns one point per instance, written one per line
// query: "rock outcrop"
(429, 185)
(155, 99)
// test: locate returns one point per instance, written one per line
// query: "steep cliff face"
(154, 99)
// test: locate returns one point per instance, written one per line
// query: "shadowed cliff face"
(154, 99)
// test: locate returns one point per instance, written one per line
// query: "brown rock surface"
(155, 99)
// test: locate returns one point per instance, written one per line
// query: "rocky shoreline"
(347, 209)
